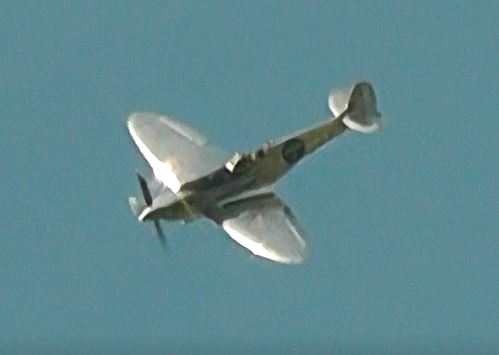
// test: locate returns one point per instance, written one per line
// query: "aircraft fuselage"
(254, 171)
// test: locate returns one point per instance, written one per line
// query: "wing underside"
(267, 227)
(176, 153)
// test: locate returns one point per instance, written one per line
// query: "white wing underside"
(176, 153)
(266, 226)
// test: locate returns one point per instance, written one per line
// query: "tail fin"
(360, 105)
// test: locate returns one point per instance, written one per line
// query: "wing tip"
(299, 257)
(296, 259)
(138, 117)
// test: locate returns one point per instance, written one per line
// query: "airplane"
(195, 179)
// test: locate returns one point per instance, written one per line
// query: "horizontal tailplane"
(360, 105)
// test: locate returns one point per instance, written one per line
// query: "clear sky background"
(403, 226)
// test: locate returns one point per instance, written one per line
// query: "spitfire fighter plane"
(195, 179)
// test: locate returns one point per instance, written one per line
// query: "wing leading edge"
(267, 227)
(176, 153)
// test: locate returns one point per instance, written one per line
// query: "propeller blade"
(161, 235)
(145, 190)
(148, 200)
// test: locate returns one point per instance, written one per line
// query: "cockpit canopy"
(232, 163)
(241, 162)
(238, 163)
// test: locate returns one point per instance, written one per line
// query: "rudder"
(360, 105)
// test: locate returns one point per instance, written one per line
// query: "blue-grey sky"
(403, 226)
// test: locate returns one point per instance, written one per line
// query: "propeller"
(145, 190)
(148, 200)
(161, 235)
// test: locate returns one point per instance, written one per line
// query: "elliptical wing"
(176, 153)
(267, 227)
